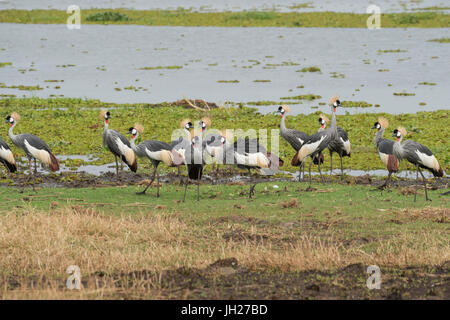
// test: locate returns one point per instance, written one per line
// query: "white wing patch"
(428, 161)
(346, 145)
(7, 155)
(252, 159)
(384, 158)
(309, 148)
(125, 151)
(42, 155)
(155, 155)
(301, 141)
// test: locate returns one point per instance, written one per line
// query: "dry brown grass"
(36, 247)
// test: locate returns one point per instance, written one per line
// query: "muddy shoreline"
(223, 177)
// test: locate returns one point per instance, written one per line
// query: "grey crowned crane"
(7, 157)
(213, 140)
(417, 154)
(195, 159)
(34, 147)
(323, 120)
(182, 142)
(156, 151)
(250, 154)
(294, 137)
(318, 141)
(340, 144)
(117, 144)
(385, 149)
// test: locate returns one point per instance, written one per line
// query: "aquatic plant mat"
(288, 242)
(185, 17)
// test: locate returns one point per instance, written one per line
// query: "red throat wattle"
(12, 123)
(334, 109)
(106, 121)
(398, 139)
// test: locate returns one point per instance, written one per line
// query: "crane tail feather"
(392, 163)
(54, 163)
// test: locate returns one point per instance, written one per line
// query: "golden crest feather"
(102, 114)
(324, 117)
(184, 122)
(402, 131)
(334, 99)
(139, 127)
(207, 121)
(286, 108)
(383, 122)
(15, 116)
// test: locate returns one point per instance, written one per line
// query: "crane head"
(376, 125)
(399, 133)
(133, 132)
(283, 109)
(10, 120)
(335, 102)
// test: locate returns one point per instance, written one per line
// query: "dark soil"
(226, 279)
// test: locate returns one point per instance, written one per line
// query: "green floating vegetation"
(404, 94)
(308, 97)
(21, 87)
(49, 119)
(183, 17)
(427, 83)
(53, 80)
(107, 16)
(301, 5)
(392, 51)
(4, 64)
(161, 67)
(356, 104)
(261, 80)
(440, 40)
(228, 81)
(309, 69)
(433, 8)
(270, 103)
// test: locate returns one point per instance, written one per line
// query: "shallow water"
(109, 57)
(227, 5)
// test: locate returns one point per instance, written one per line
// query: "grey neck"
(132, 142)
(283, 123)
(10, 132)
(333, 125)
(379, 136)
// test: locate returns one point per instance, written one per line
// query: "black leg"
(424, 185)
(198, 185)
(252, 190)
(320, 171)
(417, 181)
(310, 174)
(35, 166)
(157, 181)
(300, 171)
(386, 183)
(331, 163)
(342, 168)
(117, 167)
(185, 188)
(151, 181)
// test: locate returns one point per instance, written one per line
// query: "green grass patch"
(308, 97)
(229, 19)
(4, 64)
